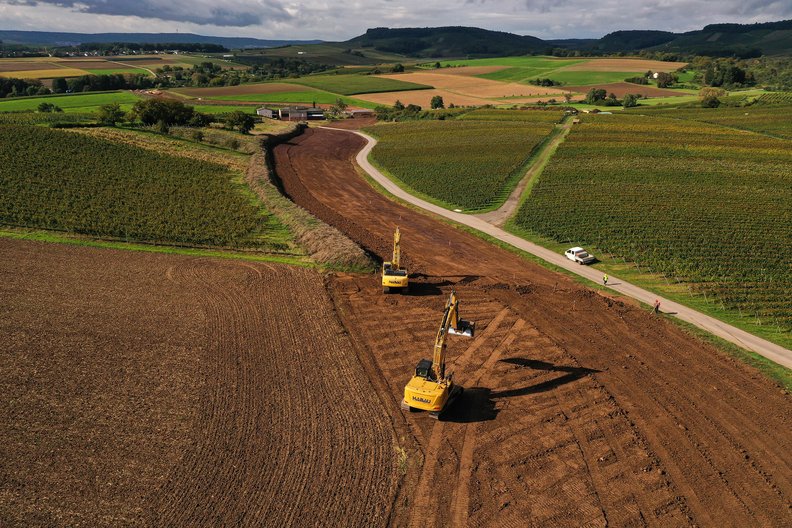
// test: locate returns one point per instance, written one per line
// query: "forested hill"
(451, 41)
(741, 40)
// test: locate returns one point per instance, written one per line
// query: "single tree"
(710, 97)
(630, 100)
(398, 105)
(567, 97)
(397, 68)
(110, 114)
(241, 121)
(48, 107)
(437, 102)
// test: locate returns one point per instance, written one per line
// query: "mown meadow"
(470, 163)
(707, 206)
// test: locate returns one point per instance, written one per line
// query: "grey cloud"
(343, 19)
(239, 13)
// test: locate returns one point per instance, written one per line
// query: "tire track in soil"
(598, 412)
(278, 441)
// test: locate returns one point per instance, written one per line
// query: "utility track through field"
(578, 409)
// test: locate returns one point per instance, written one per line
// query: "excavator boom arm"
(396, 261)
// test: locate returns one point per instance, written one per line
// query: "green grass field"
(120, 69)
(525, 69)
(357, 84)
(466, 164)
(297, 97)
(77, 103)
(703, 205)
(105, 188)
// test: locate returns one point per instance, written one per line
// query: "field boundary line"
(739, 337)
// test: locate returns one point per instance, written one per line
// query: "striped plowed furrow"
(279, 440)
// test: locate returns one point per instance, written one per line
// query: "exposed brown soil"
(25, 66)
(92, 64)
(625, 65)
(156, 390)
(623, 88)
(579, 409)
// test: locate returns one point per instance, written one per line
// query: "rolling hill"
(50, 38)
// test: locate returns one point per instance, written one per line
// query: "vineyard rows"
(469, 164)
(53, 179)
(43, 118)
(524, 116)
(772, 120)
(775, 98)
(707, 206)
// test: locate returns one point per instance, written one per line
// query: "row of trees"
(597, 96)
(165, 114)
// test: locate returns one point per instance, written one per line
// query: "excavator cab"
(424, 369)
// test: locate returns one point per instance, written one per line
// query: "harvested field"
(623, 88)
(423, 98)
(579, 409)
(620, 65)
(158, 390)
(475, 86)
(244, 89)
(90, 64)
(44, 73)
(16, 66)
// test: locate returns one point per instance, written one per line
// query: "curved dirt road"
(578, 409)
(489, 225)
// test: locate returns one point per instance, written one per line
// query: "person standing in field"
(656, 306)
(605, 279)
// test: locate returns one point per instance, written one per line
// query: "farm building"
(300, 113)
(266, 112)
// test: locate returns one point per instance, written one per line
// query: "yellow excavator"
(393, 276)
(430, 389)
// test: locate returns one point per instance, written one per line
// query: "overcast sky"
(339, 20)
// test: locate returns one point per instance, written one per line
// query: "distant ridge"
(49, 38)
(451, 41)
(741, 40)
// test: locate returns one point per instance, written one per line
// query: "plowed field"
(155, 390)
(579, 409)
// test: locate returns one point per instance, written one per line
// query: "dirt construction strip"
(771, 351)
(578, 409)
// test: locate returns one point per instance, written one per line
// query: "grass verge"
(75, 240)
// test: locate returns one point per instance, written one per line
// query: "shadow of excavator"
(477, 404)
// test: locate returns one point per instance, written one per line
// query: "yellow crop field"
(44, 74)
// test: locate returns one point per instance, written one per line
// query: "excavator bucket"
(464, 328)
